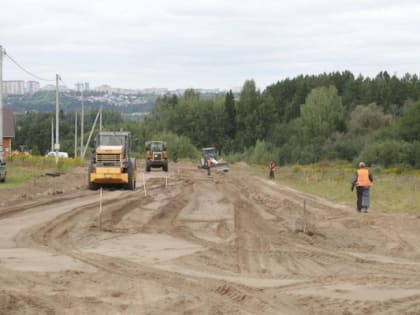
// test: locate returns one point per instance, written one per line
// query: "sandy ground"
(229, 243)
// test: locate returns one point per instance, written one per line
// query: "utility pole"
(82, 125)
(75, 136)
(57, 111)
(3, 169)
(90, 134)
(100, 120)
(52, 135)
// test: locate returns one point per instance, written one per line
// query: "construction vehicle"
(156, 155)
(210, 154)
(111, 162)
(3, 171)
(61, 155)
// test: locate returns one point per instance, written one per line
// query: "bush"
(340, 146)
(304, 155)
(324, 164)
(44, 163)
(263, 153)
(296, 168)
(416, 154)
(234, 157)
(394, 171)
(377, 169)
(366, 118)
(387, 153)
(179, 147)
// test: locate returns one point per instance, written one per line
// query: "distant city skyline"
(207, 43)
(21, 87)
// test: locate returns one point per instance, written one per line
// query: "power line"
(25, 70)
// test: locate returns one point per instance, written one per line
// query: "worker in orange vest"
(362, 180)
(271, 169)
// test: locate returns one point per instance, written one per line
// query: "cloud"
(204, 43)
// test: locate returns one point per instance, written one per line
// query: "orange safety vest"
(363, 178)
(208, 163)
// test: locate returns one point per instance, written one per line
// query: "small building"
(8, 129)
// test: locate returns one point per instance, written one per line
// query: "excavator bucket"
(222, 167)
(219, 165)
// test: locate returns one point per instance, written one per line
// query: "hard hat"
(362, 164)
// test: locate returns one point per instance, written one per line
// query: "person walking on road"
(362, 180)
(208, 166)
(272, 169)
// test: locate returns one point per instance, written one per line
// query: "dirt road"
(229, 243)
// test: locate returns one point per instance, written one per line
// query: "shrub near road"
(25, 169)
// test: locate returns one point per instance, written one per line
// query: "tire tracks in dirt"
(229, 243)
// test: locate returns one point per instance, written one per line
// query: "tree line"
(330, 116)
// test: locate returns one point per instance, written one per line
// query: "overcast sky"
(206, 43)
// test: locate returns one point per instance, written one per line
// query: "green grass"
(19, 175)
(393, 190)
(22, 170)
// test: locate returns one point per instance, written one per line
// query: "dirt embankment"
(228, 243)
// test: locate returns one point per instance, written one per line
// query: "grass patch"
(392, 191)
(22, 170)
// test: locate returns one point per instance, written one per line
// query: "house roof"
(8, 123)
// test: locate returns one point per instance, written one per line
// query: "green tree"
(409, 124)
(246, 115)
(266, 116)
(367, 118)
(230, 114)
(322, 114)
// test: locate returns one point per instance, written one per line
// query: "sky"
(206, 43)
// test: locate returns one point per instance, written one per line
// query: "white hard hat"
(362, 164)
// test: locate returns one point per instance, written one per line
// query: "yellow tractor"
(156, 155)
(111, 162)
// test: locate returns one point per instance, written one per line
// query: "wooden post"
(304, 216)
(100, 208)
(144, 186)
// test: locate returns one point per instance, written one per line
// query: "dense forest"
(330, 116)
